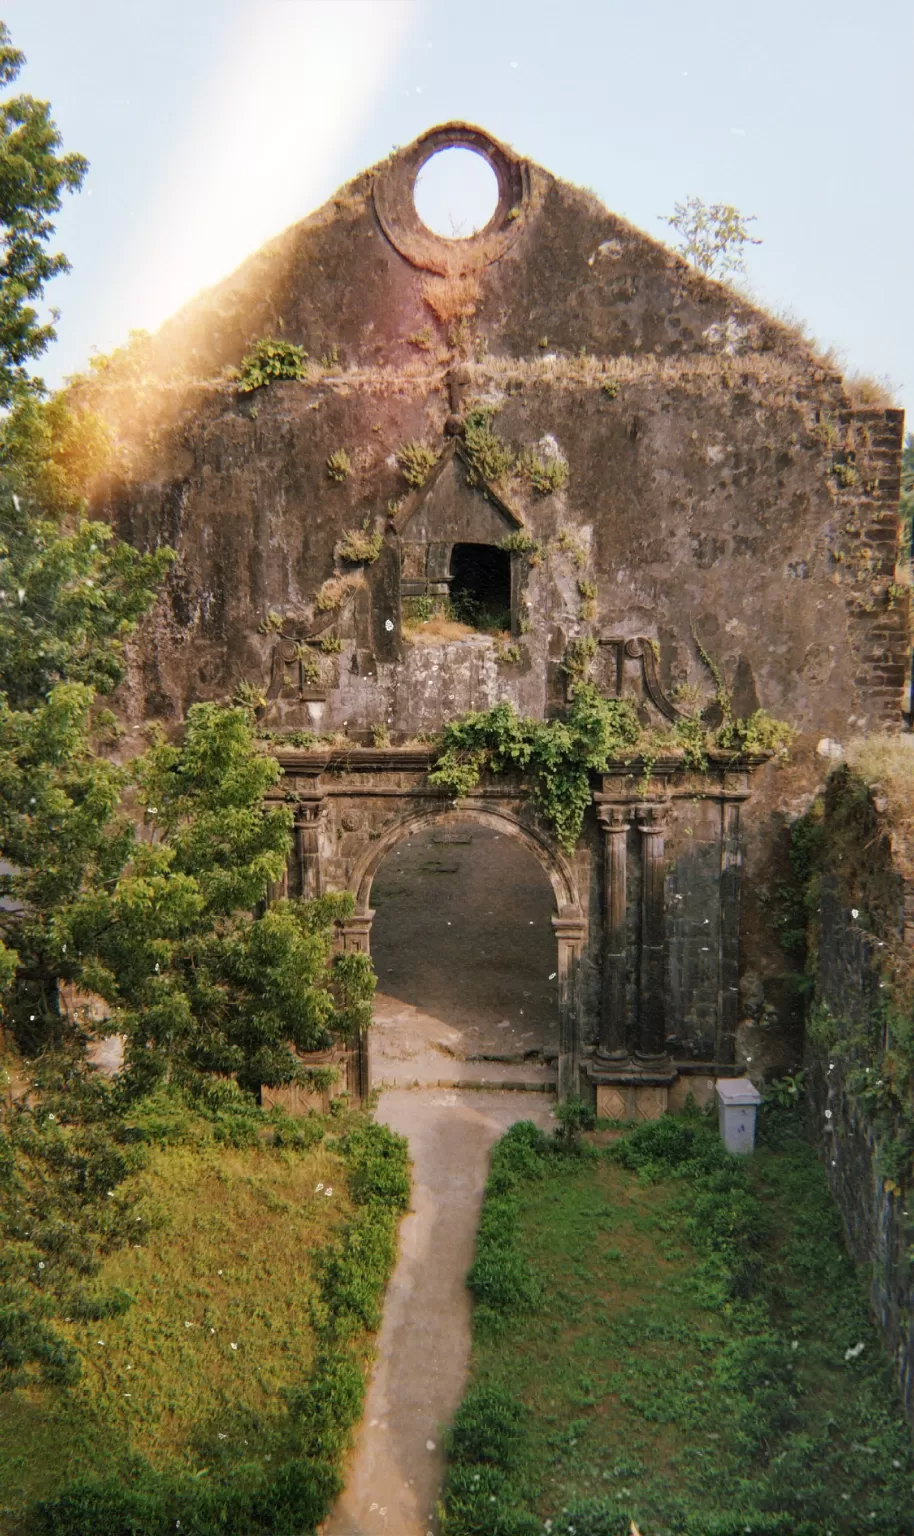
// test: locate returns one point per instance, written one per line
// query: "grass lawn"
(209, 1373)
(674, 1335)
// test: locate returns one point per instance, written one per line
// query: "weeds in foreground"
(667, 1334)
(220, 1396)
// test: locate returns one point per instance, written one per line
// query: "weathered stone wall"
(722, 488)
(705, 504)
(865, 905)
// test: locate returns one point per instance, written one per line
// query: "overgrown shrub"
(483, 1501)
(270, 359)
(379, 1166)
(559, 756)
(487, 1428)
(287, 1502)
(329, 1405)
(786, 1394)
(574, 1117)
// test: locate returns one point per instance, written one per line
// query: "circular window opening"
(456, 193)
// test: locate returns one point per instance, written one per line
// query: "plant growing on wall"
(333, 592)
(713, 237)
(416, 461)
(360, 546)
(558, 756)
(271, 359)
(545, 473)
(339, 466)
(490, 457)
(523, 543)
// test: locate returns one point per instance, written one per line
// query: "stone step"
(513, 1085)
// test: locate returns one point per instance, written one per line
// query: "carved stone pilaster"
(355, 938)
(652, 824)
(730, 863)
(570, 932)
(614, 823)
(307, 846)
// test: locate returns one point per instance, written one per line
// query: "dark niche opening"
(481, 586)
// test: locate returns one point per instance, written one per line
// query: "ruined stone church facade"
(693, 479)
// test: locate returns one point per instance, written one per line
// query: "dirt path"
(396, 1468)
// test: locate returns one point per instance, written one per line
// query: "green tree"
(203, 987)
(70, 592)
(34, 175)
(139, 883)
(712, 237)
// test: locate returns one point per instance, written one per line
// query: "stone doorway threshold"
(394, 1473)
(413, 1049)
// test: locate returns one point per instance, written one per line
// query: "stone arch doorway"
(473, 924)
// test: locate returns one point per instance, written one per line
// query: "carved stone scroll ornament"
(642, 650)
(639, 648)
(300, 670)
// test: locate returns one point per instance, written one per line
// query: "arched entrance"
(462, 936)
(475, 932)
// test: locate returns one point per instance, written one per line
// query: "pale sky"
(212, 124)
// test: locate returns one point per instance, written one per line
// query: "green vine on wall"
(559, 756)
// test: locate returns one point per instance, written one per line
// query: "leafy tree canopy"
(201, 986)
(34, 175)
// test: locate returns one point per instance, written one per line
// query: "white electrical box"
(738, 1100)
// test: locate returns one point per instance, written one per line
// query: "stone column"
(307, 846)
(614, 822)
(652, 822)
(570, 931)
(355, 937)
(735, 791)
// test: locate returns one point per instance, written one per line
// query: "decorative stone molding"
(570, 927)
(307, 845)
(652, 822)
(355, 938)
(614, 821)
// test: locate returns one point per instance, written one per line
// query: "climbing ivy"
(558, 756)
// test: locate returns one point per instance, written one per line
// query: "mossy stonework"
(647, 472)
(860, 1044)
